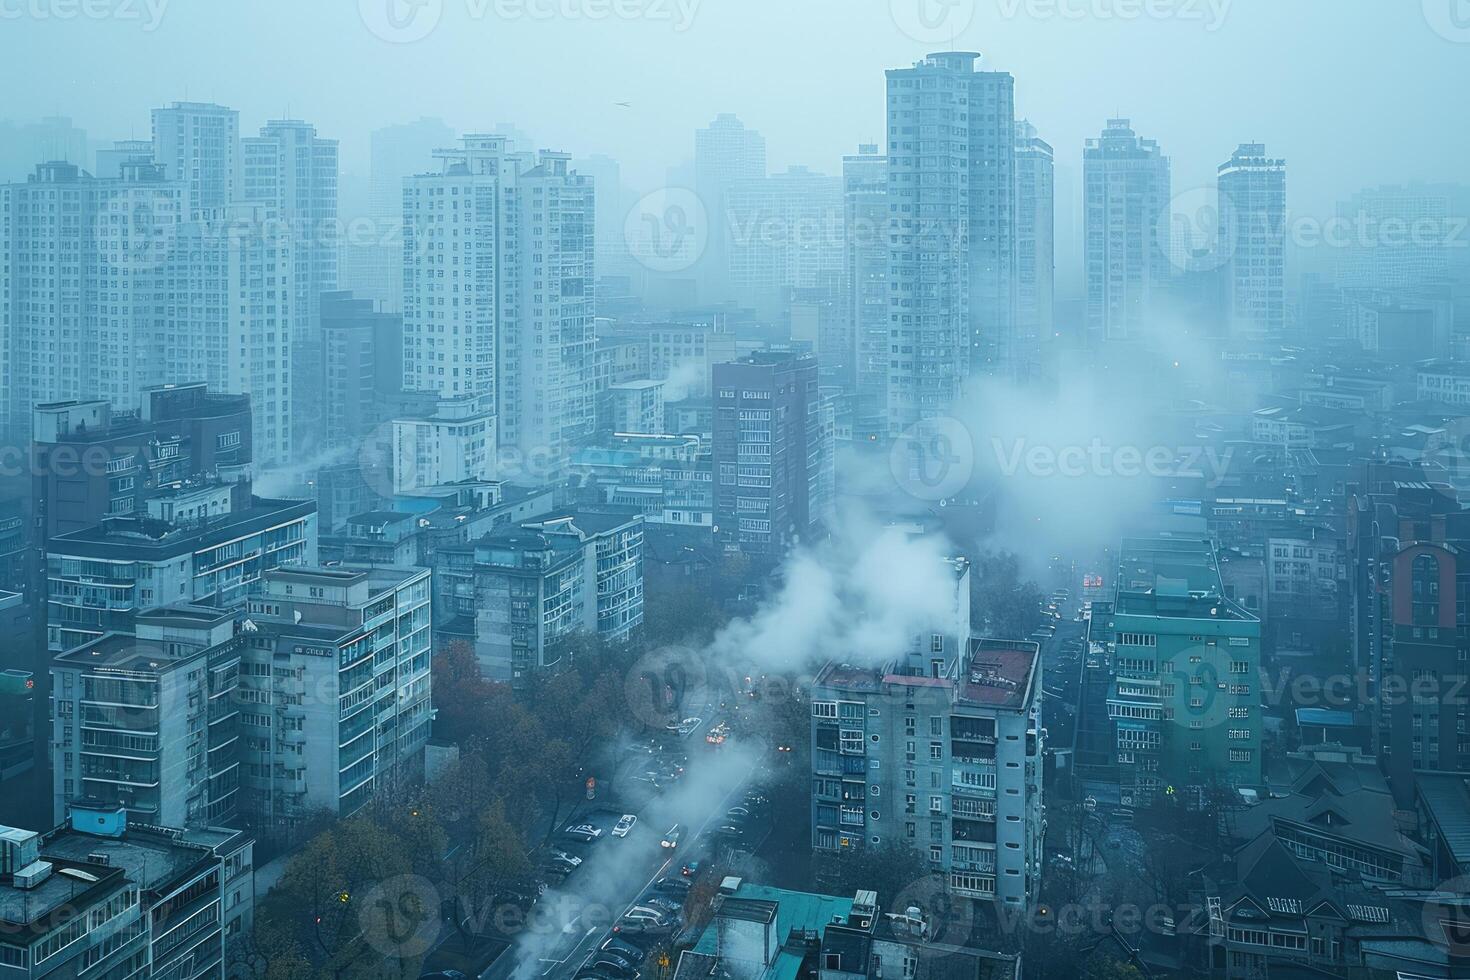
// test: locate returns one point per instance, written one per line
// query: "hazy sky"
(1352, 92)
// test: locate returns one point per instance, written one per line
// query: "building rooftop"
(794, 913)
(1446, 799)
(994, 674)
(123, 651)
(155, 540)
(999, 675)
(29, 913)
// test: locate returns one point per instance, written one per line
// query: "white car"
(624, 825)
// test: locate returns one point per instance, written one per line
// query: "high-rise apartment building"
(772, 455)
(1126, 231)
(783, 233)
(84, 315)
(498, 290)
(335, 689)
(1252, 220)
(362, 368)
(1035, 249)
(951, 173)
(725, 151)
(544, 385)
(230, 311)
(1406, 546)
(865, 202)
(518, 594)
(939, 749)
(198, 144)
(149, 720)
(1403, 237)
(370, 257)
(292, 172)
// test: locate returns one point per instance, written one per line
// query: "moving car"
(691, 868)
(671, 839)
(625, 824)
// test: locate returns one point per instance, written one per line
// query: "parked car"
(664, 904)
(614, 963)
(624, 825)
(584, 832)
(624, 949)
(671, 839)
(563, 859)
(678, 887)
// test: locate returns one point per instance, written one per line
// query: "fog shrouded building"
(951, 159)
(84, 314)
(784, 233)
(1126, 231)
(724, 152)
(1253, 221)
(361, 370)
(1403, 237)
(198, 143)
(772, 454)
(865, 202)
(293, 172)
(230, 314)
(498, 290)
(370, 254)
(110, 159)
(1035, 248)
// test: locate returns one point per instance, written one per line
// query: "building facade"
(1253, 221)
(334, 689)
(772, 457)
(940, 749)
(865, 202)
(1126, 231)
(952, 248)
(198, 144)
(1035, 249)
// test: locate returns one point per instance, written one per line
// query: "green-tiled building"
(1185, 697)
